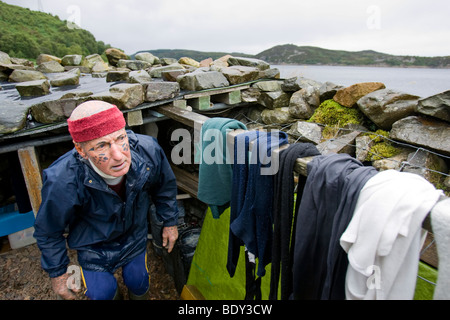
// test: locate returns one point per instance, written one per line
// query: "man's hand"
(169, 237)
(64, 288)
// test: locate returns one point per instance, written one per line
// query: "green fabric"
(208, 270)
(424, 289)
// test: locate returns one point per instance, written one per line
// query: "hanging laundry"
(328, 201)
(252, 206)
(215, 168)
(384, 238)
(283, 210)
(440, 221)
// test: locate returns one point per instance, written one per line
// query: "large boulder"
(437, 106)
(72, 60)
(69, 78)
(349, 96)
(50, 67)
(13, 116)
(306, 131)
(428, 133)
(4, 58)
(240, 74)
(26, 75)
(274, 99)
(161, 91)
(386, 106)
(156, 72)
(304, 102)
(53, 111)
(114, 55)
(46, 58)
(123, 95)
(148, 57)
(133, 64)
(189, 61)
(248, 62)
(117, 75)
(33, 88)
(276, 116)
(91, 60)
(139, 76)
(200, 80)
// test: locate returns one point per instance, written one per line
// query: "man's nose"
(116, 152)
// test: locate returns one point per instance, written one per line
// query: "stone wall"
(388, 128)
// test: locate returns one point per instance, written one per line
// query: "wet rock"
(328, 90)
(386, 106)
(306, 131)
(161, 91)
(172, 75)
(113, 76)
(349, 96)
(134, 64)
(274, 99)
(420, 161)
(304, 102)
(248, 62)
(167, 61)
(240, 74)
(50, 67)
(46, 58)
(123, 95)
(33, 88)
(91, 60)
(139, 76)
(23, 62)
(13, 116)
(72, 60)
(26, 75)
(272, 73)
(55, 110)
(69, 78)
(268, 85)
(148, 57)
(156, 72)
(429, 133)
(189, 62)
(341, 144)
(250, 95)
(297, 83)
(437, 106)
(200, 80)
(276, 116)
(363, 145)
(114, 55)
(4, 58)
(99, 67)
(392, 163)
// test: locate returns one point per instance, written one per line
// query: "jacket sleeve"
(54, 214)
(164, 190)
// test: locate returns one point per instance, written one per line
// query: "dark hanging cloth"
(283, 211)
(327, 205)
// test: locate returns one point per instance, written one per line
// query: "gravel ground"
(22, 278)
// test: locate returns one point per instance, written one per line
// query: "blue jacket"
(106, 232)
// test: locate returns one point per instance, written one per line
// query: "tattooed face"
(111, 153)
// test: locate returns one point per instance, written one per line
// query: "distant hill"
(26, 34)
(196, 55)
(292, 54)
(304, 55)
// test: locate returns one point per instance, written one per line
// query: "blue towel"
(252, 198)
(215, 168)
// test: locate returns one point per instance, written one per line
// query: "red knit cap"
(97, 125)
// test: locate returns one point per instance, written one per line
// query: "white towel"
(384, 237)
(440, 221)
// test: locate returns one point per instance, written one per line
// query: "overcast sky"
(401, 27)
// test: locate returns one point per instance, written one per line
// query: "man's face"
(111, 153)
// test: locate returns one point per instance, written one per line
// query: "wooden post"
(32, 174)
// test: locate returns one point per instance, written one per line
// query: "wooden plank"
(32, 174)
(189, 118)
(186, 181)
(230, 98)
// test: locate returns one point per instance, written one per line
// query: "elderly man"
(99, 194)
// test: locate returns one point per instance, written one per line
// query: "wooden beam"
(32, 174)
(189, 118)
